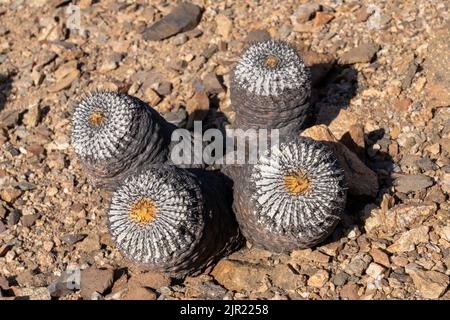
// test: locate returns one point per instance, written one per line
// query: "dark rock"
(212, 84)
(426, 164)
(26, 186)
(178, 65)
(164, 88)
(184, 17)
(71, 239)
(340, 278)
(411, 183)
(14, 217)
(2, 227)
(177, 118)
(361, 54)
(208, 52)
(2, 212)
(409, 75)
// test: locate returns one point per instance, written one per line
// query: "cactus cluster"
(179, 220)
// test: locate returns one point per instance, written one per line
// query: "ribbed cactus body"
(270, 88)
(184, 226)
(292, 198)
(114, 134)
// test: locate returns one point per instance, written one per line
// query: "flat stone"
(322, 18)
(139, 293)
(90, 244)
(71, 239)
(177, 118)
(331, 249)
(362, 181)
(10, 194)
(184, 17)
(224, 26)
(361, 54)
(350, 292)
(284, 277)
(65, 82)
(197, 107)
(318, 279)
(212, 84)
(304, 12)
(210, 51)
(402, 104)
(154, 280)
(65, 69)
(437, 68)
(431, 284)
(240, 276)
(380, 257)
(257, 35)
(407, 216)
(68, 282)
(4, 283)
(358, 264)
(9, 118)
(408, 240)
(95, 280)
(412, 183)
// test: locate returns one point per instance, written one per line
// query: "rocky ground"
(381, 75)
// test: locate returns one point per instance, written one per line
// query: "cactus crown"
(157, 215)
(268, 68)
(101, 124)
(298, 184)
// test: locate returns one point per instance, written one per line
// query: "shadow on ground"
(5, 88)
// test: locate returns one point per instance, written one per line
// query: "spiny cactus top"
(293, 197)
(114, 133)
(270, 87)
(270, 68)
(163, 219)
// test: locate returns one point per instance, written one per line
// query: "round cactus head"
(156, 217)
(114, 133)
(299, 189)
(270, 67)
(101, 125)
